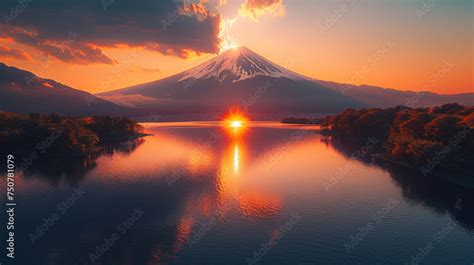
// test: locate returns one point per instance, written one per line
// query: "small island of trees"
(63, 136)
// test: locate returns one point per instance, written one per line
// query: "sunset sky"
(103, 45)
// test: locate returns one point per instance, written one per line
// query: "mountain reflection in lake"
(211, 198)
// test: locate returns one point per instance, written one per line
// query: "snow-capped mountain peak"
(237, 65)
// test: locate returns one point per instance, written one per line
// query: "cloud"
(141, 69)
(255, 9)
(198, 9)
(9, 52)
(68, 49)
(169, 26)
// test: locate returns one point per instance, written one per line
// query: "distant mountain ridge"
(379, 97)
(23, 92)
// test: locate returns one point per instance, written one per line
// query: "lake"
(198, 193)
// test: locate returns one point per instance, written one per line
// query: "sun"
(235, 121)
(236, 124)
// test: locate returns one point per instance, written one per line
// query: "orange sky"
(385, 44)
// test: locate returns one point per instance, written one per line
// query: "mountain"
(385, 97)
(237, 77)
(240, 77)
(23, 92)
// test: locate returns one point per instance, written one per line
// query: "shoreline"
(459, 178)
(91, 151)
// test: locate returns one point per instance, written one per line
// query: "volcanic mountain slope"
(237, 77)
(23, 92)
(240, 77)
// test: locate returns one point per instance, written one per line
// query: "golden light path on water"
(236, 159)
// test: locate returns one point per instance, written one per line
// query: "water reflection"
(354, 149)
(236, 159)
(125, 147)
(197, 184)
(435, 193)
(58, 171)
(72, 170)
(232, 174)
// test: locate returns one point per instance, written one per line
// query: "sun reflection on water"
(236, 159)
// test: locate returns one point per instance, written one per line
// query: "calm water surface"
(195, 193)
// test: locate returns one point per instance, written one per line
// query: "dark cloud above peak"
(170, 26)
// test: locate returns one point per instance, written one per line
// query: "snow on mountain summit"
(237, 65)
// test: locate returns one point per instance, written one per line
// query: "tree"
(415, 125)
(442, 128)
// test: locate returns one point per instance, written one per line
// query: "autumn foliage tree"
(415, 135)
